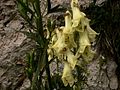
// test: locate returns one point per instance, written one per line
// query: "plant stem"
(49, 6)
(33, 87)
(48, 72)
(39, 20)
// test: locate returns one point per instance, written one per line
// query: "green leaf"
(34, 36)
(24, 7)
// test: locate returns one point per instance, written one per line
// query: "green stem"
(34, 86)
(48, 72)
(39, 19)
(41, 58)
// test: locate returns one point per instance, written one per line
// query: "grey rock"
(111, 68)
(26, 85)
(114, 82)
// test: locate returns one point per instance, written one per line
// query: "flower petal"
(88, 54)
(72, 59)
(84, 41)
(91, 34)
(67, 76)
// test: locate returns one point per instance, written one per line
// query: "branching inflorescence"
(68, 49)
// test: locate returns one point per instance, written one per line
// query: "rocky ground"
(14, 45)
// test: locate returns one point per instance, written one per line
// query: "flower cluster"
(64, 45)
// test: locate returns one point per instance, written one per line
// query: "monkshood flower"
(83, 41)
(60, 46)
(91, 33)
(78, 17)
(69, 40)
(65, 36)
(88, 54)
(72, 59)
(67, 76)
(68, 23)
(68, 31)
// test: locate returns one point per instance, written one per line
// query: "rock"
(26, 85)
(114, 82)
(111, 68)
(5, 85)
(93, 69)
(103, 80)
(102, 77)
(2, 71)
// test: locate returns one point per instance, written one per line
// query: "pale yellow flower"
(68, 23)
(68, 31)
(71, 58)
(69, 40)
(77, 16)
(59, 32)
(74, 3)
(88, 54)
(67, 76)
(60, 47)
(63, 43)
(54, 39)
(84, 41)
(91, 34)
(50, 54)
